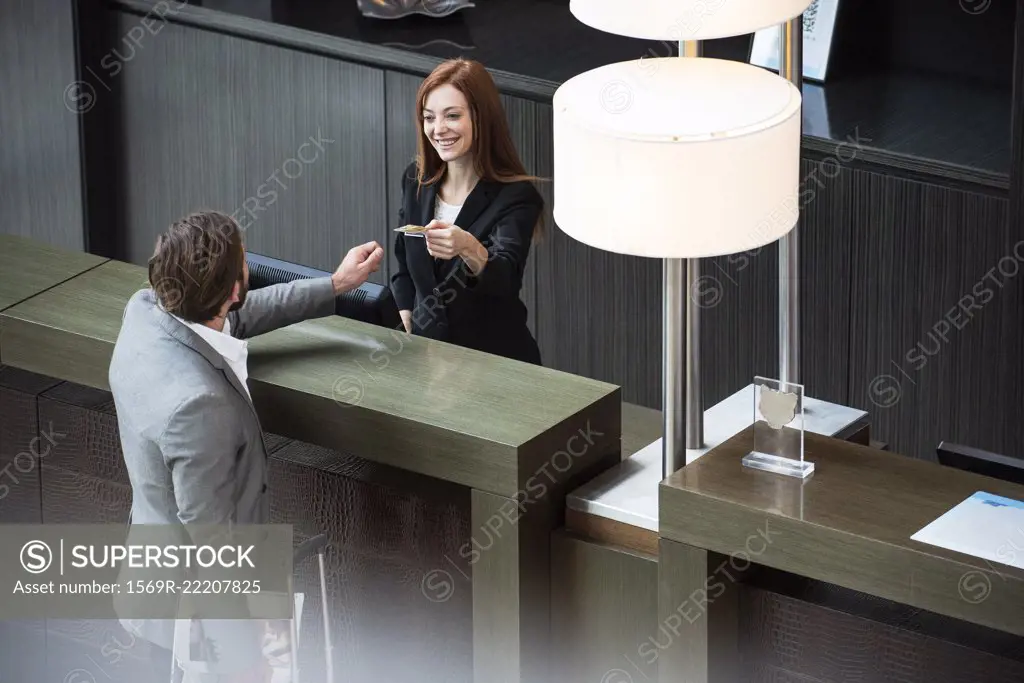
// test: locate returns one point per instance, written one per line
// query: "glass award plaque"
(778, 429)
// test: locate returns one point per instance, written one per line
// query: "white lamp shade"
(676, 157)
(685, 19)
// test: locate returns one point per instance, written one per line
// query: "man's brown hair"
(196, 264)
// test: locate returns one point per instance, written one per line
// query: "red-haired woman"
(459, 280)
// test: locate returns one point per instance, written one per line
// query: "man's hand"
(357, 266)
(406, 316)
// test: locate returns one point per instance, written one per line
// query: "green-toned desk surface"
(435, 408)
(849, 524)
(28, 267)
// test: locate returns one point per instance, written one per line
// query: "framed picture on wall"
(819, 25)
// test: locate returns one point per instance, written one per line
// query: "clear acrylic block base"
(778, 429)
(778, 465)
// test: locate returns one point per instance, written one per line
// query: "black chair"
(981, 462)
(369, 303)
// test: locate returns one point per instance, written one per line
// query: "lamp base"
(628, 492)
(779, 465)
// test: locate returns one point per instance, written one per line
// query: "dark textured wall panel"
(291, 142)
(1017, 130)
(1011, 339)
(368, 505)
(737, 299)
(400, 100)
(84, 480)
(392, 533)
(599, 315)
(829, 218)
(22, 643)
(73, 498)
(40, 169)
(89, 442)
(935, 309)
(783, 639)
(530, 125)
(21, 447)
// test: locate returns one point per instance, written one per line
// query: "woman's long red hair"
(494, 153)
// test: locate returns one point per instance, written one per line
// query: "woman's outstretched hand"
(446, 241)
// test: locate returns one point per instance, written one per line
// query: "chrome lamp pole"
(791, 68)
(682, 404)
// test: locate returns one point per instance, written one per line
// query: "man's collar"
(221, 341)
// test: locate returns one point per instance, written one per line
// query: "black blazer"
(447, 302)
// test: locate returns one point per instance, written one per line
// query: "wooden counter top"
(467, 417)
(439, 409)
(849, 524)
(28, 267)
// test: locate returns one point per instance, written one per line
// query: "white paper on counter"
(985, 525)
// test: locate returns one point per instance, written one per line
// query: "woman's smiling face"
(447, 122)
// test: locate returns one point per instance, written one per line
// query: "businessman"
(191, 438)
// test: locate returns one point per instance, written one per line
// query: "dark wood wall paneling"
(291, 143)
(1011, 339)
(400, 133)
(936, 315)
(22, 642)
(828, 222)
(599, 313)
(530, 125)
(40, 173)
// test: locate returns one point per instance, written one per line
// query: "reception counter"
(755, 577)
(849, 525)
(438, 471)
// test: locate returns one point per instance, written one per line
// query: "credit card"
(412, 229)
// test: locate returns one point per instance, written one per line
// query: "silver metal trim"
(791, 68)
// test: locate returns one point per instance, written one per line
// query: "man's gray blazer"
(191, 438)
